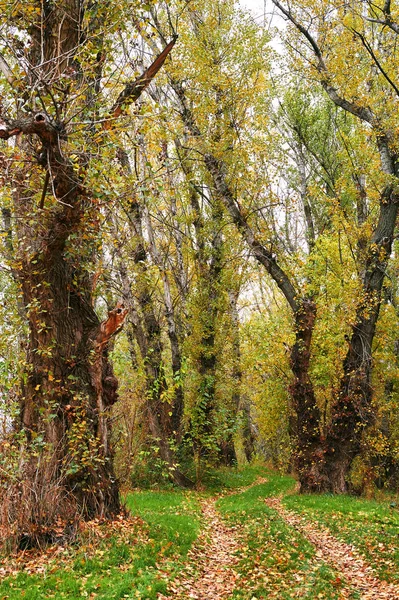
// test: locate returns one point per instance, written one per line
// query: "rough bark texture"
(309, 456)
(66, 467)
(353, 411)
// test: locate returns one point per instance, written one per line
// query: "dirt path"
(212, 575)
(210, 572)
(341, 556)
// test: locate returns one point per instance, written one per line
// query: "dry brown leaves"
(52, 558)
(343, 557)
(212, 575)
(209, 573)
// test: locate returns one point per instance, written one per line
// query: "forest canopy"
(198, 249)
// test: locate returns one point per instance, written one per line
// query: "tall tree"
(52, 89)
(216, 121)
(362, 39)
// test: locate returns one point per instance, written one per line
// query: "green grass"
(371, 526)
(123, 566)
(275, 560)
(229, 478)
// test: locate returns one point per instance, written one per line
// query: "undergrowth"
(111, 562)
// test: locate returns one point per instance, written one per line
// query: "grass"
(228, 478)
(275, 560)
(371, 526)
(122, 564)
(136, 558)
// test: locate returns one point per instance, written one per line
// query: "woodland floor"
(216, 554)
(251, 538)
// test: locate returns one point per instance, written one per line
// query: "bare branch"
(388, 23)
(375, 59)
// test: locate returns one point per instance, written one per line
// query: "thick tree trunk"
(309, 455)
(69, 389)
(66, 467)
(353, 410)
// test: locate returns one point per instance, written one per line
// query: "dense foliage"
(234, 208)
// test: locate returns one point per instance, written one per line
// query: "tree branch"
(375, 59)
(111, 326)
(363, 113)
(134, 89)
(264, 256)
(6, 70)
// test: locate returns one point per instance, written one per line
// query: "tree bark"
(353, 411)
(66, 469)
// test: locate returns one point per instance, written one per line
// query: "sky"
(262, 10)
(265, 12)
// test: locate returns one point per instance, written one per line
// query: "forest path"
(210, 573)
(343, 557)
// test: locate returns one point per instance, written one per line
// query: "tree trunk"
(178, 395)
(68, 386)
(308, 451)
(66, 470)
(69, 389)
(164, 417)
(353, 411)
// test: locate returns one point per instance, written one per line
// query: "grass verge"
(112, 561)
(371, 526)
(275, 560)
(136, 557)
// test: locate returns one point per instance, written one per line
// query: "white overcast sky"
(257, 7)
(262, 10)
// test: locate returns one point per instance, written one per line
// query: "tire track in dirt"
(213, 577)
(214, 555)
(343, 557)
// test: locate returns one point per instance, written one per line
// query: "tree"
(332, 36)
(215, 123)
(163, 405)
(54, 68)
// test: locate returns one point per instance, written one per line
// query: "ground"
(248, 536)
